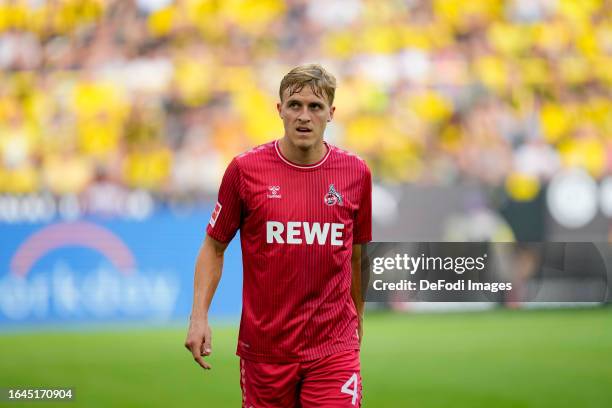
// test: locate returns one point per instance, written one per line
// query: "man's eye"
(316, 107)
(293, 104)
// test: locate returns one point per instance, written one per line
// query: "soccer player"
(303, 208)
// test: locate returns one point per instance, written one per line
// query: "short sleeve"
(226, 216)
(363, 219)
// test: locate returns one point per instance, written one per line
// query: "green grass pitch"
(546, 358)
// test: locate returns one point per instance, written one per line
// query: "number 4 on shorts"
(346, 388)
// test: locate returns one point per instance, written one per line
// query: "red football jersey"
(297, 227)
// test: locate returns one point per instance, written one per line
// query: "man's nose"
(303, 115)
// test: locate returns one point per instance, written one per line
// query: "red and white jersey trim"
(309, 166)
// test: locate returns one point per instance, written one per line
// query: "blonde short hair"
(320, 81)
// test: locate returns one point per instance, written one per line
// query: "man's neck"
(300, 156)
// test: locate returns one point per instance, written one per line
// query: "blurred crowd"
(159, 95)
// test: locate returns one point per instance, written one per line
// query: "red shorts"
(328, 382)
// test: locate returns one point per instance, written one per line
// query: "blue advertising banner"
(94, 270)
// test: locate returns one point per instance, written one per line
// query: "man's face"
(305, 116)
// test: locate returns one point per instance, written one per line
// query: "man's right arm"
(207, 274)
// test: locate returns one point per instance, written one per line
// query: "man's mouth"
(303, 129)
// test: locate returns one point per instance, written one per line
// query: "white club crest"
(332, 197)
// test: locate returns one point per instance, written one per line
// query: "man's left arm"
(362, 235)
(356, 292)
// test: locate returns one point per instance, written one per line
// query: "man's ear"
(278, 108)
(331, 113)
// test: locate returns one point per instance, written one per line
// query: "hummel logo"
(274, 192)
(332, 197)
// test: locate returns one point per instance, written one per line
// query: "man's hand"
(199, 342)
(205, 280)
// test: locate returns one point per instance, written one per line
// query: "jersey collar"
(302, 166)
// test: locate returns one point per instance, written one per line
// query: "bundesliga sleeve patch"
(215, 214)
